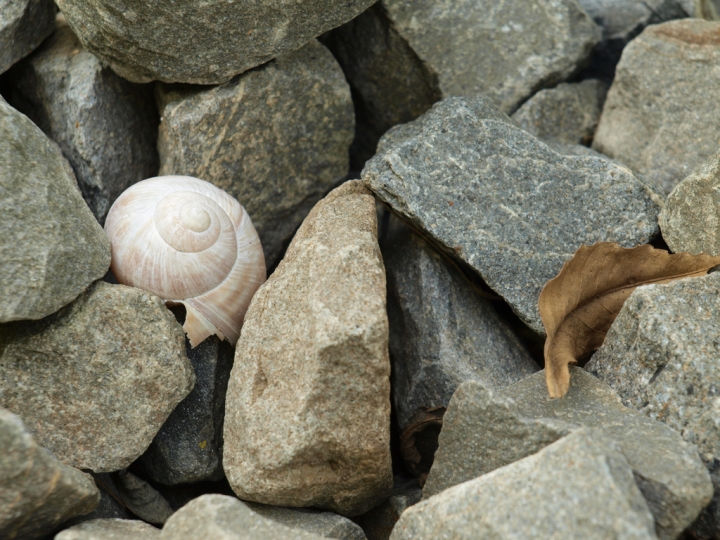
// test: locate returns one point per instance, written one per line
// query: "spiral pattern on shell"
(189, 243)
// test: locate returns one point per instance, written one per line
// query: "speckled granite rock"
(663, 125)
(325, 524)
(110, 529)
(567, 114)
(226, 518)
(379, 522)
(502, 201)
(579, 487)
(442, 332)
(660, 356)
(484, 430)
(690, 220)
(276, 138)
(95, 382)
(52, 247)
(188, 447)
(307, 417)
(37, 492)
(105, 126)
(23, 26)
(201, 43)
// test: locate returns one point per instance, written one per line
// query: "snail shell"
(189, 243)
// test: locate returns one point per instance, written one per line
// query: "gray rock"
(690, 220)
(307, 416)
(578, 150)
(325, 524)
(494, 196)
(109, 506)
(579, 487)
(142, 499)
(188, 447)
(503, 50)
(442, 332)
(110, 529)
(23, 26)
(206, 43)
(52, 247)
(37, 492)
(95, 382)
(226, 518)
(379, 522)
(567, 114)
(664, 126)
(105, 126)
(660, 356)
(276, 138)
(485, 430)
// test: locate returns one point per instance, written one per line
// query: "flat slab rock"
(110, 529)
(496, 197)
(578, 487)
(200, 43)
(53, 248)
(105, 126)
(275, 138)
(661, 357)
(95, 382)
(23, 26)
(485, 429)
(37, 492)
(664, 125)
(307, 417)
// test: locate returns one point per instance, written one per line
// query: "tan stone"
(308, 405)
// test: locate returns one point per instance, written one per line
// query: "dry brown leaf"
(578, 305)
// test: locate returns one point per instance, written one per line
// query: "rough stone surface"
(442, 332)
(52, 247)
(502, 201)
(504, 50)
(308, 405)
(690, 220)
(276, 138)
(325, 524)
(37, 492)
(379, 522)
(188, 447)
(567, 114)
(95, 382)
(579, 487)
(200, 43)
(661, 357)
(225, 518)
(484, 430)
(663, 122)
(105, 126)
(110, 529)
(23, 26)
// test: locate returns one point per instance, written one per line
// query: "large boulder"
(52, 247)
(276, 138)
(23, 26)
(307, 417)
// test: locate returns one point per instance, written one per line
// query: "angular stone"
(105, 126)
(494, 196)
(566, 114)
(487, 429)
(276, 138)
(325, 524)
(188, 447)
(660, 356)
(442, 332)
(579, 487)
(37, 492)
(226, 518)
(23, 26)
(200, 43)
(307, 418)
(690, 220)
(52, 247)
(663, 125)
(379, 522)
(110, 529)
(95, 382)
